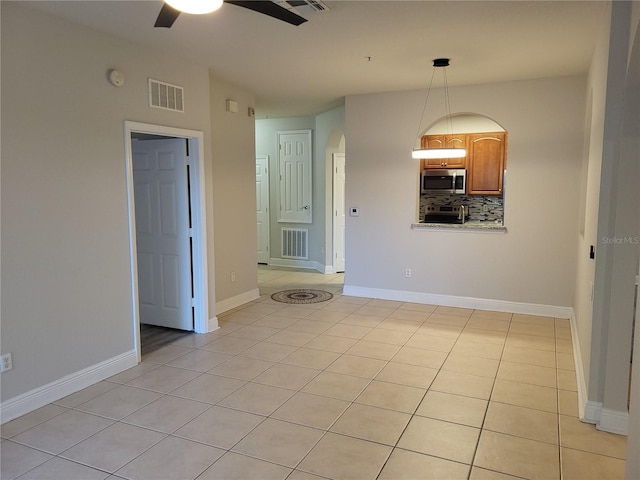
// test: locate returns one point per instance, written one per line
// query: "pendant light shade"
(196, 7)
(427, 153)
(438, 153)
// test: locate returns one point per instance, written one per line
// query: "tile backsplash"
(494, 205)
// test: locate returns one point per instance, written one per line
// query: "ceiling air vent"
(303, 7)
(166, 96)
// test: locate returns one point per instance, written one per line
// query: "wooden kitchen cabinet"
(486, 163)
(443, 141)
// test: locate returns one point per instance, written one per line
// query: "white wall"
(590, 197)
(604, 324)
(533, 263)
(66, 296)
(632, 143)
(234, 195)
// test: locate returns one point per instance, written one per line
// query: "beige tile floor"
(352, 388)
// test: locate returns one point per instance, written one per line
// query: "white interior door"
(338, 212)
(162, 232)
(262, 207)
(294, 164)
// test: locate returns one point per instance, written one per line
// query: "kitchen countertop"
(465, 227)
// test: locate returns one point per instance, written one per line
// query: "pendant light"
(196, 7)
(446, 152)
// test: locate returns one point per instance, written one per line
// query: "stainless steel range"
(445, 214)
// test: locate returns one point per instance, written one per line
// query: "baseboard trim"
(614, 421)
(213, 325)
(462, 302)
(233, 302)
(306, 264)
(592, 411)
(581, 379)
(41, 396)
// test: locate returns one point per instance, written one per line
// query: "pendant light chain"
(447, 107)
(427, 152)
(426, 100)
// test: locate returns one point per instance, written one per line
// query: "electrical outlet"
(407, 272)
(485, 208)
(7, 363)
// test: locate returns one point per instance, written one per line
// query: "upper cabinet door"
(443, 141)
(294, 165)
(485, 171)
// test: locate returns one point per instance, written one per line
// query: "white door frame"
(201, 321)
(267, 194)
(337, 203)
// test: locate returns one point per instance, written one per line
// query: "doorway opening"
(172, 270)
(262, 209)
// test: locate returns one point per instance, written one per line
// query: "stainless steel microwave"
(444, 181)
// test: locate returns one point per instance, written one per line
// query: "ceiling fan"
(169, 14)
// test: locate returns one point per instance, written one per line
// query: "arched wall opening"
(480, 205)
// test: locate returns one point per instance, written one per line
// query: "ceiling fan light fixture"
(195, 7)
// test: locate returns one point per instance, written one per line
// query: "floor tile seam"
(113, 422)
(470, 465)
(512, 434)
(522, 362)
(203, 371)
(229, 449)
(522, 406)
(68, 460)
(61, 454)
(156, 366)
(486, 410)
(526, 363)
(271, 462)
(170, 436)
(557, 445)
(377, 442)
(613, 457)
(164, 392)
(35, 466)
(162, 395)
(174, 394)
(453, 314)
(124, 421)
(66, 410)
(498, 472)
(31, 447)
(388, 409)
(416, 414)
(287, 388)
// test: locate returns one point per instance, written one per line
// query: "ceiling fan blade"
(271, 9)
(167, 16)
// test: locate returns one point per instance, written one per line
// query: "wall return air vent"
(295, 243)
(166, 96)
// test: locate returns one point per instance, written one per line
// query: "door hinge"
(190, 232)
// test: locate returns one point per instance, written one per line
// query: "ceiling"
(358, 47)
